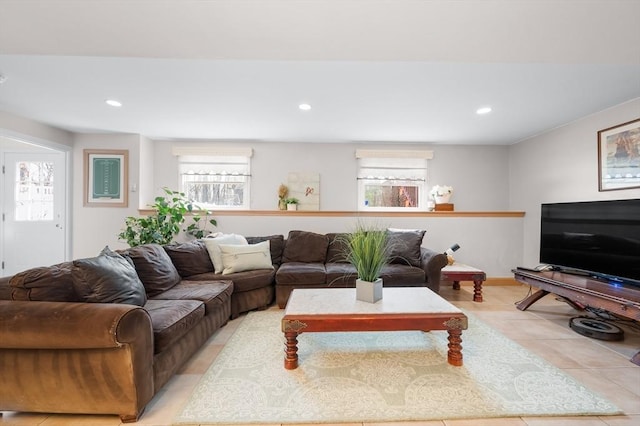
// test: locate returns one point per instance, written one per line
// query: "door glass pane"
(34, 191)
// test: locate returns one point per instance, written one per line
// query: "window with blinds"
(392, 180)
(216, 179)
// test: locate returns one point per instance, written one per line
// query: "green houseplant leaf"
(170, 213)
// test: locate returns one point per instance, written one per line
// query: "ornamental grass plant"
(367, 250)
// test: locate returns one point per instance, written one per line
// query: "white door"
(33, 211)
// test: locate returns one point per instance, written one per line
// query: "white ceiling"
(372, 70)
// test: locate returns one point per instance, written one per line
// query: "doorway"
(34, 205)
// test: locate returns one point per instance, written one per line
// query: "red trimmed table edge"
(453, 323)
(464, 273)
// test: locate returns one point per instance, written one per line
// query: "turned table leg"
(456, 285)
(454, 355)
(291, 350)
(477, 291)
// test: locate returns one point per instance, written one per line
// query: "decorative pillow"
(190, 258)
(154, 268)
(214, 252)
(303, 246)
(108, 278)
(404, 245)
(246, 257)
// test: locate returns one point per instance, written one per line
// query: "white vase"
(368, 291)
(292, 207)
(442, 199)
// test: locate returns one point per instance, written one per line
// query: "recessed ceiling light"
(113, 103)
(483, 110)
(304, 107)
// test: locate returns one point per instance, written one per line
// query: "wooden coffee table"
(401, 308)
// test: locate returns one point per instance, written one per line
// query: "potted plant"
(292, 203)
(367, 250)
(170, 213)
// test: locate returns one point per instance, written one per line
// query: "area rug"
(379, 377)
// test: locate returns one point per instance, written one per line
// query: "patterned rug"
(379, 377)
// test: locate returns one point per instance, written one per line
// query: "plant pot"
(442, 199)
(367, 291)
(292, 207)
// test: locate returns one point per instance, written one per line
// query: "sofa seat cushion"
(172, 319)
(397, 275)
(341, 274)
(242, 281)
(301, 274)
(46, 283)
(154, 267)
(190, 258)
(211, 293)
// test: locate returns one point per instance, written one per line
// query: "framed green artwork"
(106, 177)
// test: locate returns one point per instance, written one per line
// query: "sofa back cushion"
(303, 246)
(276, 246)
(154, 267)
(338, 248)
(404, 246)
(107, 278)
(190, 258)
(45, 283)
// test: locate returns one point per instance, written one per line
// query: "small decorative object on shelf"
(283, 191)
(441, 194)
(292, 203)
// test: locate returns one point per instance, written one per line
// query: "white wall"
(477, 173)
(561, 166)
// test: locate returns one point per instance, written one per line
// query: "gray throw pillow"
(107, 278)
(404, 246)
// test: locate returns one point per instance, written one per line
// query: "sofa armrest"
(432, 263)
(66, 325)
(62, 357)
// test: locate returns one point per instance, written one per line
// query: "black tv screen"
(600, 238)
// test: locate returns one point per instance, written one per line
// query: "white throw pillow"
(214, 251)
(238, 258)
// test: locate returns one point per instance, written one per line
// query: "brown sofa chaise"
(153, 308)
(312, 260)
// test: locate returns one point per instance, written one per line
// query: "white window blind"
(392, 180)
(215, 177)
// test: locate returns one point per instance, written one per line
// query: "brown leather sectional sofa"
(151, 308)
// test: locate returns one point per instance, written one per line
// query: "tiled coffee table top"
(401, 300)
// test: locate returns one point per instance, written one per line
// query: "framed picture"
(619, 157)
(106, 177)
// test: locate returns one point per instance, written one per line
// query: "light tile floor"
(603, 367)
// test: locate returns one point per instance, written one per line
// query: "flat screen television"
(596, 238)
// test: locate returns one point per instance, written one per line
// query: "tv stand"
(581, 292)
